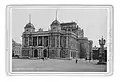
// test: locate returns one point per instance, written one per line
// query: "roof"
(68, 23)
(29, 25)
(55, 22)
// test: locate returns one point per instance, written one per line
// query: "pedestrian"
(76, 61)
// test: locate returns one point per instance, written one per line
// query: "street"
(55, 65)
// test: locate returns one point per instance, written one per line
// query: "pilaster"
(55, 41)
(28, 41)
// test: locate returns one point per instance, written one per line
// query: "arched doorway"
(35, 53)
(45, 52)
(62, 53)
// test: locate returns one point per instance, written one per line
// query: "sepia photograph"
(59, 39)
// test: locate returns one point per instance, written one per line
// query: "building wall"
(74, 47)
(85, 48)
(58, 45)
(16, 49)
(62, 41)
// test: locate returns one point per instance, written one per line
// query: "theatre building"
(63, 40)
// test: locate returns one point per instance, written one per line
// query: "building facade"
(16, 49)
(63, 40)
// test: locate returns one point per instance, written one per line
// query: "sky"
(92, 21)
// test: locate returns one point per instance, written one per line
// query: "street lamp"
(101, 52)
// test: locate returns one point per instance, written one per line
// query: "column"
(32, 41)
(55, 41)
(40, 52)
(48, 41)
(37, 40)
(59, 41)
(67, 41)
(42, 40)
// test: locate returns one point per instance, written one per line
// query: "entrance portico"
(37, 52)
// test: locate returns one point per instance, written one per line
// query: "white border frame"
(110, 38)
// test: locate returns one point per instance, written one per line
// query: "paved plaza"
(55, 65)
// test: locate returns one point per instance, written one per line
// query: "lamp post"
(101, 52)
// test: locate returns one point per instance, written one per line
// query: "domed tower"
(29, 27)
(55, 26)
(26, 35)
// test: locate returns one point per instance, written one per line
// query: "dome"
(55, 22)
(29, 25)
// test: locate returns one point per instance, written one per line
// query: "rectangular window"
(34, 41)
(63, 41)
(30, 41)
(39, 41)
(26, 40)
(46, 41)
